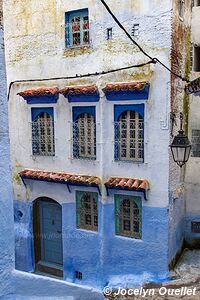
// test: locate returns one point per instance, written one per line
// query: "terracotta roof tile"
(79, 89)
(60, 177)
(39, 91)
(130, 86)
(127, 183)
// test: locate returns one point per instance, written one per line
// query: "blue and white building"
(97, 197)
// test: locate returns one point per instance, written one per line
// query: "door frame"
(39, 266)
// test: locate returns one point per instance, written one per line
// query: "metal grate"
(195, 227)
(129, 219)
(87, 211)
(84, 137)
(78, 275)
(77, 32)
(43, 135)
(195, 142)
(129, 137)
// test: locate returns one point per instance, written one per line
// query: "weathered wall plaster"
(6, 208)
(35, 49)
(192, 173)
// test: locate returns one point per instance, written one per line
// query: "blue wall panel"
(100, 255)
(23, 236)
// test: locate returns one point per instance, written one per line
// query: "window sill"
(129, 161)
(79, 50)
(129, 238)
(87, 231)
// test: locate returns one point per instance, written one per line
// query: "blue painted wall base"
(102, 255)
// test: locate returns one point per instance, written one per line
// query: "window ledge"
(79, 50)
(93, 161)
(129, 238)
(87, 231)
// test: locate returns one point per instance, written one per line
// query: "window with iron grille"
(128, 216)
(77, 28)
(129, 137)
(84, 136)
(87, 210)
(43, 135)
(195, 142)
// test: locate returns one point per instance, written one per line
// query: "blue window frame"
(84, 132)
(77, 28)
(43, 131)
(129, 133)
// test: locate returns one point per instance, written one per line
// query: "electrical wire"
(154, 59)
(78, 76)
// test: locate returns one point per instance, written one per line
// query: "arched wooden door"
(47, 227)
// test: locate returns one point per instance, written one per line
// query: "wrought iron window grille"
(128, 218)
(43, 143)
(84, 137)
(87, 211)
(129, 141)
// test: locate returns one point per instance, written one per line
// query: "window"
(135, 30)
(128, 216)
(181, 8)
(109, 33)
(196, 3)
(196, 63)
(77, 28)
(129, 137)
(43, 132)
(87, 210)
(195, 142)
(84, 134)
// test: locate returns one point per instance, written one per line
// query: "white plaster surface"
(35, 49)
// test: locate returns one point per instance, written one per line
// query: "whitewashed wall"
(35, 49)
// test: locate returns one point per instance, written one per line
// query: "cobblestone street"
(186, 277)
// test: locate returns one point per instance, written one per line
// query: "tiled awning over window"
(131, 184)
(129, 86)
(40, 91)
(81, 93)
(40, 95)
(127, 91)
(60, 177)
(79, 89)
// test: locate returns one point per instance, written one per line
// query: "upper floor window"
(87, 210)
(128, 216)
(129, 136)
(196, 59)
(77, 28)
(84, 133)
(196, 2)
(181, 8)
(195, 142)
(43, 132)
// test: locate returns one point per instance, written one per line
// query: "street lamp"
(180, 146)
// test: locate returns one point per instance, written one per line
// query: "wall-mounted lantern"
(180, 146)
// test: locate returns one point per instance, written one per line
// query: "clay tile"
(142, 185)
(129, 183)
(122, 182)
(136, 184)
(39, 91)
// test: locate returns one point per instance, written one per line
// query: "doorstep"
(49, 268)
